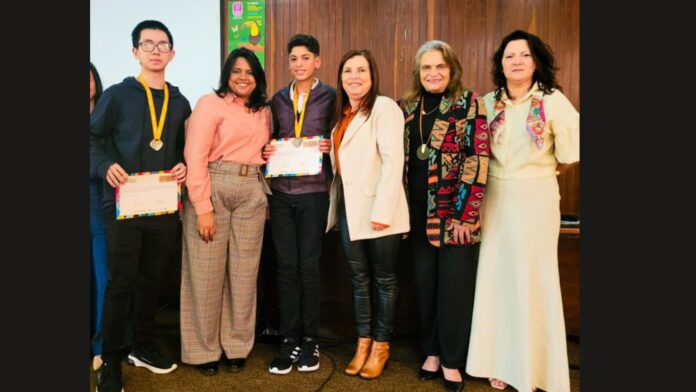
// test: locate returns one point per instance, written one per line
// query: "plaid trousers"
(218, 278)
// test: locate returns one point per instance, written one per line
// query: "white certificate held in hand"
(148, 193)
(295, 157)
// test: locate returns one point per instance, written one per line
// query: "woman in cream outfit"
(518, 332)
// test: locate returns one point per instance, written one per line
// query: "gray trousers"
(218, 278)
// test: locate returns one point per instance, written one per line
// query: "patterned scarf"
(535, 120)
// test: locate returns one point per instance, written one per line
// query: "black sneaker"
(309, 355)
(109, 377)
(288, 355)
(152, 360)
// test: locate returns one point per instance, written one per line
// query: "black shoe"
(152, 360)
(425, 375)
(236, 364)
(309, 355)
(454, 386)
(288, 355)
(109, 377)
(208, 368)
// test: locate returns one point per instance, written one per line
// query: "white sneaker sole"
(308, 368)
(279, 371)
(133, 361)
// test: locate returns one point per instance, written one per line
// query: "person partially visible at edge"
(447, 150)
(535, 135)
(137, 126)
(299, 207)
(368, 201)
(224, 216)
(97, 235)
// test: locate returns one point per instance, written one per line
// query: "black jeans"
(369, 258)
(137, 250)
(445, 281)
(297, 226)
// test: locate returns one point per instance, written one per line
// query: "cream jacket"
(372, 163)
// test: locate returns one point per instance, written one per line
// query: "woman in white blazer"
(368, 201)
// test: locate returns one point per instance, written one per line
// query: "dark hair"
(454, 89)
(368, 101)
(544, 64)
(97, 83)
(258, 98)
(305, 40)
(150, 24)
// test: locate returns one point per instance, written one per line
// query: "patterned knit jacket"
(457, 164)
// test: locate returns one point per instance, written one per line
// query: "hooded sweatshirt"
(121, 131)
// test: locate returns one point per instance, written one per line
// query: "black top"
(121, 130)
(417, 168)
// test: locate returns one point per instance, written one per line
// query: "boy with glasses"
(137, 126)
(299, 207)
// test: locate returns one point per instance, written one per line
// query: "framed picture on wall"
(243, 25)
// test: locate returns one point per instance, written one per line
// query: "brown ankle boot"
(361, 353)
(379, 355)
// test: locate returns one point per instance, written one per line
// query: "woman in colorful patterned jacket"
(446, 148)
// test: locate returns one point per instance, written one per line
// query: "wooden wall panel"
(394, 29)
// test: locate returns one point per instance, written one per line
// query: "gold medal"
(297, 142)
(422, 152)
(156, 144)
(299, 121)
(157, 127)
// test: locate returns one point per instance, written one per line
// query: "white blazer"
(372, 166)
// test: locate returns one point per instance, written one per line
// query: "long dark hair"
(544, 63)
(368, 101)
(258, 98)
(98, 89)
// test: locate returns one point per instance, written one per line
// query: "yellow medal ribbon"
(295, 98)
(156, 142)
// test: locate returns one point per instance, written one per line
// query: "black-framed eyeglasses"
(149, 46)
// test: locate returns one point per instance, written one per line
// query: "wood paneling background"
(394, 29)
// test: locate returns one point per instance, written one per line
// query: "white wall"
(195, 27)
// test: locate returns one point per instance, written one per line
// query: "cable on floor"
(333, 370)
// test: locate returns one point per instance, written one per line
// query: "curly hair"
(544, 62)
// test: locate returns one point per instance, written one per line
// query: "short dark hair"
(150, 24)
(544, 63)
(305, 40)
(98, 89)
(368, 102)
(258, 98)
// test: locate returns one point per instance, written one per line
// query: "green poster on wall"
(246, 21)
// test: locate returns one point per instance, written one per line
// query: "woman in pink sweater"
(224, 216)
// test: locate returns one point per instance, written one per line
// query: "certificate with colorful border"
(148, 194)
(295, 157)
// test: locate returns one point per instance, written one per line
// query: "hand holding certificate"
(295, 157)
(151, 193)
